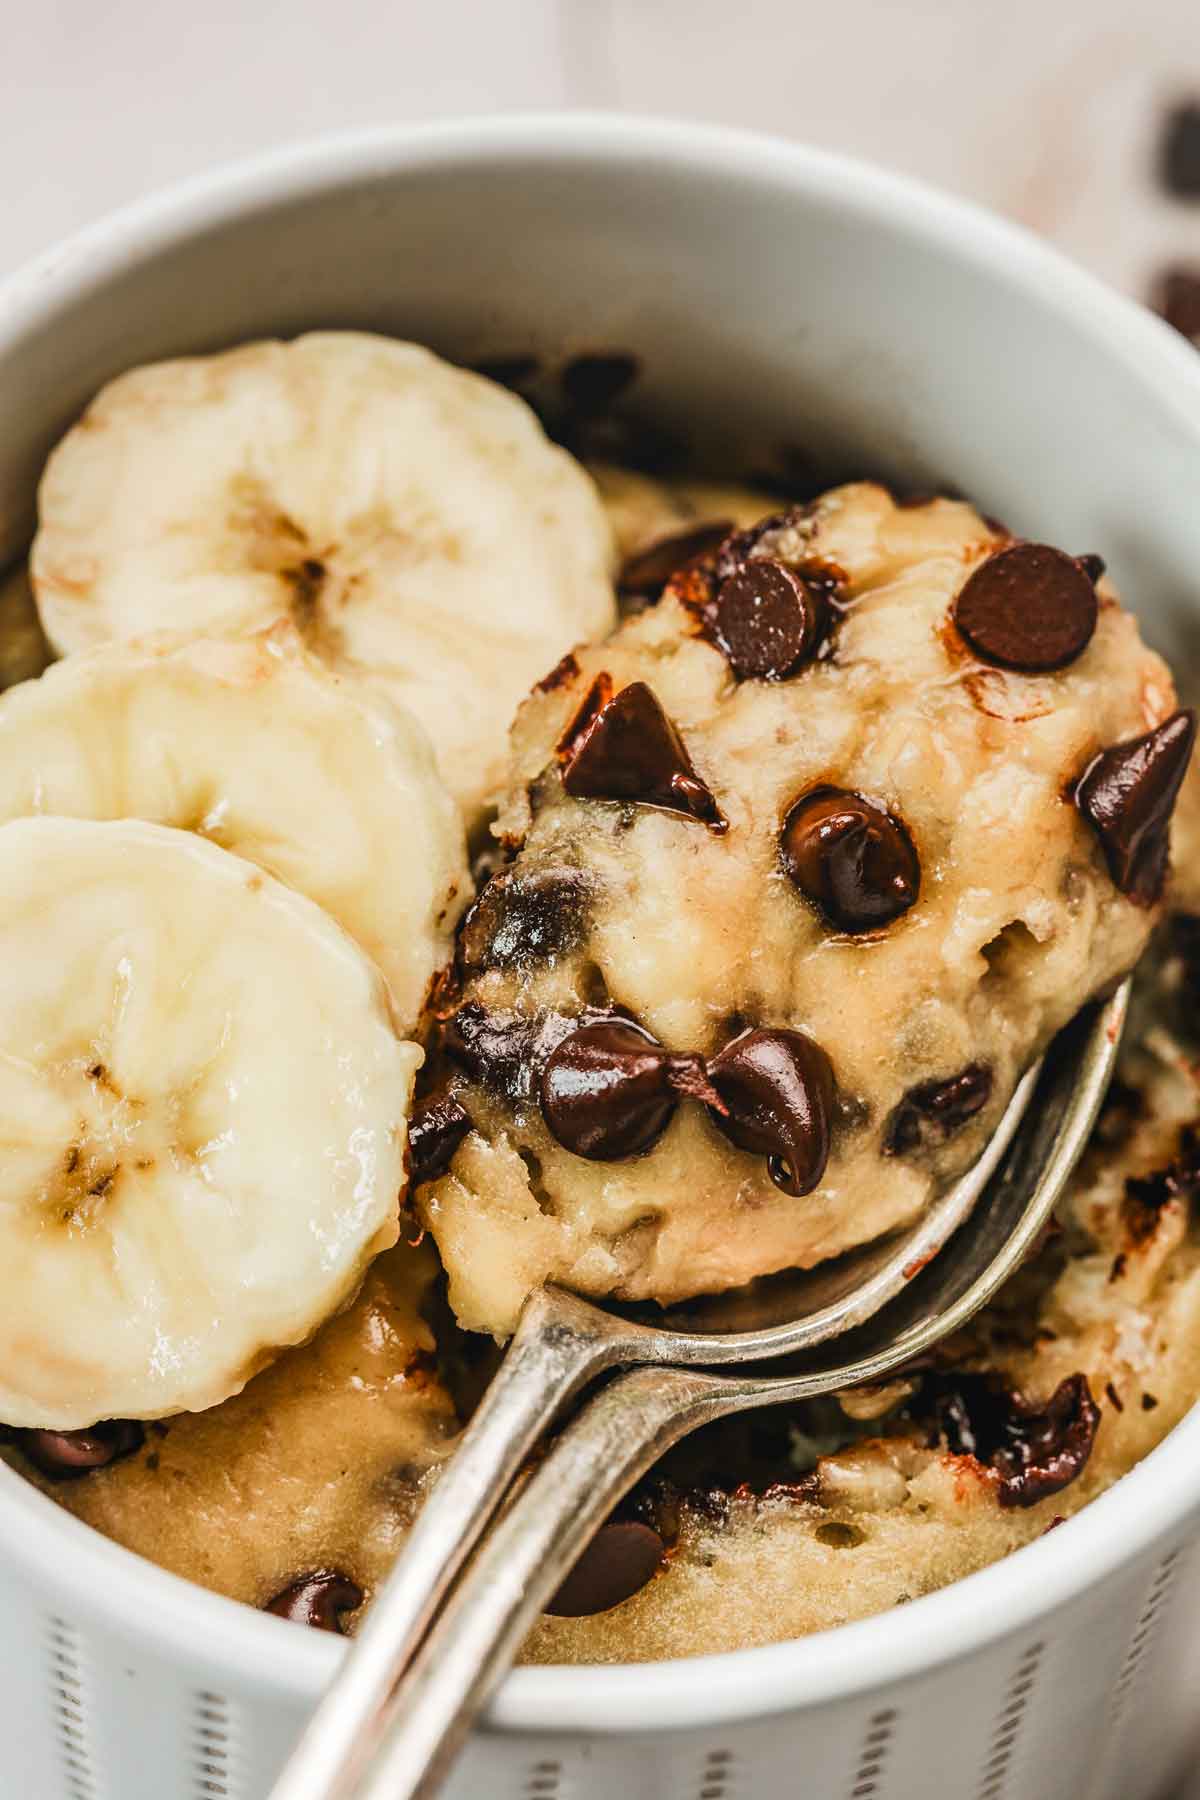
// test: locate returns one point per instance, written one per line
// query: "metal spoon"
(377, 1736)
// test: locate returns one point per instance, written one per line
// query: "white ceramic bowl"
(772, 292)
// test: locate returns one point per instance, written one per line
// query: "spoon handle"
(602, 1452)
(560, 1344)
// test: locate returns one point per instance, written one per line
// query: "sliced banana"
(203, 1112)
(24, 651)
(410, 517)
(251, 742)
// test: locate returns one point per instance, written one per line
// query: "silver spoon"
(377, 1736)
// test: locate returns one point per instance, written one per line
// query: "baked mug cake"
(816, 820)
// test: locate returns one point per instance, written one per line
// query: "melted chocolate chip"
(1028, 607)
(622, 1557)
(564, 671)
(855, 862)
(1179, 151)
(932, 1111)
(1127, 795)
(524, 919)
(645, 574)
(66, 1455)
(591, 384)
(1176, 297)
(436, 1129)
(778, 1087)
(769, 621)
(497, 1049)
(631, 751)
(1146, 1195)
(319, 1599)
(1092, 565)
(608, 1089)
(594, 701)
(1036, 1450)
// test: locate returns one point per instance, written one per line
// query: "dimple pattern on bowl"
(1091, 1705)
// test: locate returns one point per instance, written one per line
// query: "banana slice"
(410, 517)
(253, 743)
(203, 1115)
(24, 651)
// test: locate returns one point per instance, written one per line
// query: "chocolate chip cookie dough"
(805, 865)
(796, 1520)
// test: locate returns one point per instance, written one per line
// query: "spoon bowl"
(404, 1700)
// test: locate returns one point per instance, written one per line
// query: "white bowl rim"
(1146, 1505)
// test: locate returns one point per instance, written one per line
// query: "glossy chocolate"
(853, 860)
(622, 1557)
(933, 1111)
(67, 1455)
(629, 750)
(438, 1126)
(497, 1049)
(608, 1089)
(320, 1600)
(1036, 1449)
(1127, 795)
(522, 920)
(778, 1087)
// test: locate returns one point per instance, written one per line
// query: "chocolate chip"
(497, 1049)
(1176, 297)
(436, 1129)
(1127, 795)
(1092, 565)
(1179, 151)
(932, 1111)
(524, 919)
(66, 1455)
(1028, 607)
(564, 671)
(855, 862)
(737, 550)
(769, 622)
(1146, 1195)
(591, 384)
(778, 1087)
(597, 697)
(645, 574)
(608, 1089)
(1036, 1450)
(629, 750)
(319, 1599)
(622, 1557)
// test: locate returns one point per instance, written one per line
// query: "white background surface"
(1044, 109)
(1047, 110)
